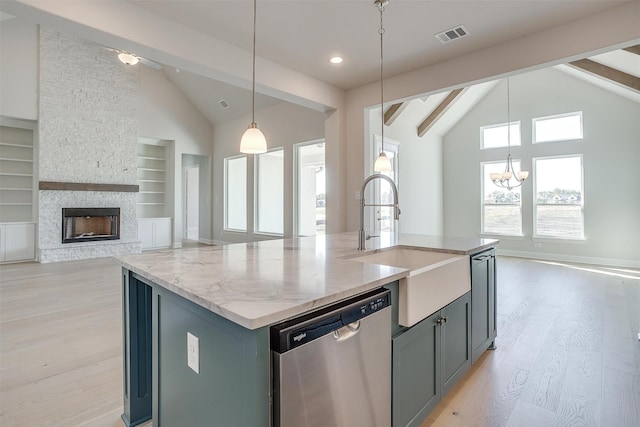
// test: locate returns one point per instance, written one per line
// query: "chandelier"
(503, 180)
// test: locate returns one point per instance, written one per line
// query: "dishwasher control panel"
(296, 332)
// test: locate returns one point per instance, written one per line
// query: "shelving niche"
(152, 179)
(154, 220)
(17, 190)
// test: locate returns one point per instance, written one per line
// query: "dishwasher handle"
(347, 331)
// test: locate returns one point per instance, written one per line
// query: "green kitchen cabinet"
(483, 302)
(428, 359)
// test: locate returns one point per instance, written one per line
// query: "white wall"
(19, 69)
(420, 164)
(610, 149)
(166, 113)
(283, 124)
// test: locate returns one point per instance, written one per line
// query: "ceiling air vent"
(224, 104)
(452, 34)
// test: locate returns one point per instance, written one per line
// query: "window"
(495, 136)
(559, 197)
(561, 127)
(235, 193)
(310, 188)
(501, 208)
(269, 187)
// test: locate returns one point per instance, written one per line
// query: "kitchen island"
(227, 297)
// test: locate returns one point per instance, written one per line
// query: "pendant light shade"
(383, 164)
(253, 140)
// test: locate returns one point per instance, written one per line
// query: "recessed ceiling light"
(336, 60)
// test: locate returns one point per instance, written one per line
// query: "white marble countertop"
(261, 283)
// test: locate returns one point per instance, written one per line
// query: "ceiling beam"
(393, 112)
(439, 111)
(633, 49)
(620, 77)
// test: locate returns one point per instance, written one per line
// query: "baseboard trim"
(206, 241)
(220, 242)
(611, 262)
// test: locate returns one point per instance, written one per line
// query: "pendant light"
(382, 164)
(503, 180)
(253, 140)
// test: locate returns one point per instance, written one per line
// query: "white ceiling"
(304, 34)
(206, 93)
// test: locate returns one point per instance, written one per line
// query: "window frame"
(256, 192)
(534, 120)
(483, 178)
(508, 125)
(534, 166)
(226, 195)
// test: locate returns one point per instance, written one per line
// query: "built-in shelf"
(8, 159)
(17, 168)
(151, 173)
(6, 144)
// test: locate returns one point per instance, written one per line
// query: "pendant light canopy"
(253, 140)
(382, 164)
(503, 180)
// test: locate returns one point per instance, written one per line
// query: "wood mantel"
(78, 186)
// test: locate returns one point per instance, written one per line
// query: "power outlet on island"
(193, 352)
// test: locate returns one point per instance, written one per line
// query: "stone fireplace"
(87, 136)
(52, 230)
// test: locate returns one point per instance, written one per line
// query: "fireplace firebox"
(90, 224)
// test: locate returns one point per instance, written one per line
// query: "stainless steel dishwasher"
(333, 367)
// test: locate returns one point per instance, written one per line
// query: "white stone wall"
(87, 131)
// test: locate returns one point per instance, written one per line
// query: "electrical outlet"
(193, 352)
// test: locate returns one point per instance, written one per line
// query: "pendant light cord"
(381, 32)
(253, 88)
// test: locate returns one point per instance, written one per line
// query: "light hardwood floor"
(568, 352)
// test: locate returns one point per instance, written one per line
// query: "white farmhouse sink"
(435, 280)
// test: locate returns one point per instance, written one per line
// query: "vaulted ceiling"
(303, 34)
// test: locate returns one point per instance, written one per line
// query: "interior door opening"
(192, 202)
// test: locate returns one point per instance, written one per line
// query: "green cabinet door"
(483, 302)
(416, 372)
(456, 343)
(428, 360)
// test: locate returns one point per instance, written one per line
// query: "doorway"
(191, 179)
